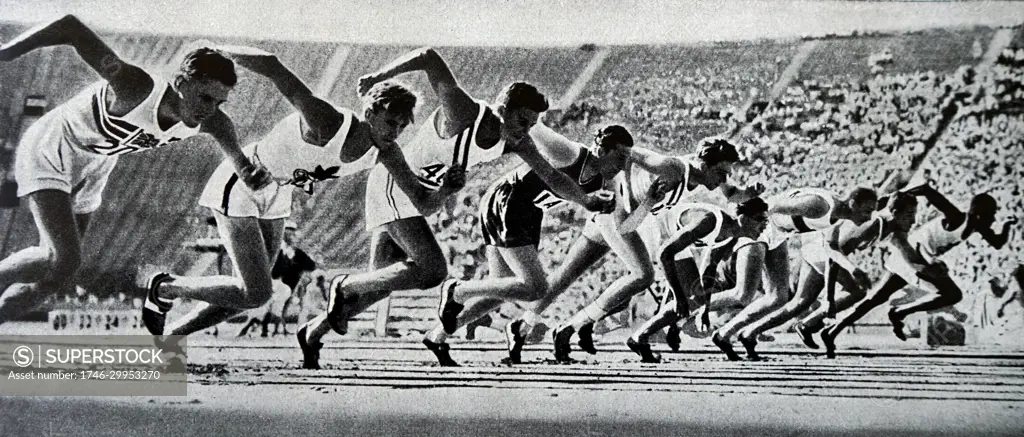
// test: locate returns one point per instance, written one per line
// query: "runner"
(511, 213)
(711, 251)
(318, 142)
(679, 179)
(915, 262)
(461, 133)
(65, 158)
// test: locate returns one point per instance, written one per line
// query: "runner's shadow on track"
(545, 362)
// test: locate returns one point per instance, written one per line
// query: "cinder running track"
(254, 388)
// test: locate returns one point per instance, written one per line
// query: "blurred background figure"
(291, 275)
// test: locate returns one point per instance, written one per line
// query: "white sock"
(590, 314)
(531, 318)
(437, 335)
(580, 319)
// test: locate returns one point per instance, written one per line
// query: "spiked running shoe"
(750, 344)
(586, 339)
(448, 310)
(644, 350)
(725, 346)
(441, 352)
(310, 353)
(562, 337)
(805, 335)
(336, 306)
(897, 325)
(515, 340)
(154, 310)
(673, 337)
(829, 340)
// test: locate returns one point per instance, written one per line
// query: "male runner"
(462, 132)
(914, 260)
(511, 213)
(65, 158)
(316, 143)
(711, 251)
(802, 210)
(819, 251)
(679, 178)
(793, 212)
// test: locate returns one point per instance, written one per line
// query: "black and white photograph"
(511, 218)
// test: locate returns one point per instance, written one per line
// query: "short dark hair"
(609, 136)
(862, 195)
(984, 203)
(208, 63)
(752, 206)
(714, 151)
(902, 201)
(391, 96)
(523, 95)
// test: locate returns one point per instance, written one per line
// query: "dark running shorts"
(507, 220)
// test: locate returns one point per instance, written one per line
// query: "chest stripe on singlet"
(227, 192)
(123, 136)
(390, 190)
(469, 142)
(107, 127)
(462, 143)
(456, 149)
(101, 104)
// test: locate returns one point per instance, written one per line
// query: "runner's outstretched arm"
(428, 202)
(455, 101)
(315, 111)
(222, 129)
(998, 240)
(953, 216)
(809, 206)
(557, 181)
(69, 30)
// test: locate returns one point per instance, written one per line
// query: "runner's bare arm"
(428, 202)
(690, 233)
(459, 106)
(737, 194)
(810, 206)
(998, 240)
(124, 78)
(317, 113)
(666, 167)
(749, 266)
(845, 237)
(222, 129)
(553, 146)
(860, 236)
(953, 216)
(895, 181)
(557, 181)
(622, 198)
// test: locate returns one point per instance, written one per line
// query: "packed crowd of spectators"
(681, 95)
